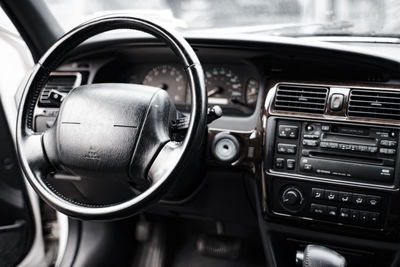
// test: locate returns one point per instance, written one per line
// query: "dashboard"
(315, 129)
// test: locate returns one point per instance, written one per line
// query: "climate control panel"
(328, 203)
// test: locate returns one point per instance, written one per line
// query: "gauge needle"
(214, 91)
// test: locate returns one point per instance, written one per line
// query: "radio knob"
(309, 128)
(292, 197)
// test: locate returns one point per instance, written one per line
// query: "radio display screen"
(350, 130)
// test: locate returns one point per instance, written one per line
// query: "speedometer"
(168, 78)
(223, 85)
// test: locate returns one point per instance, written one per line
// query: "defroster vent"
(299, 98)
(377, 104)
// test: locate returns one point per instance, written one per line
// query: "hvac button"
(317, 193)
(336, 102)
(364, 216)
(331, 195)
(359, 199)
(373, 217)
(344, 213)
(332, 211)
(345, 197)
(373, 200)
(354, 215)
(318, 209)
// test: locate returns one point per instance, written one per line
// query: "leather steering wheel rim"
(31, 147)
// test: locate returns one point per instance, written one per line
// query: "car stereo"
(336, 150)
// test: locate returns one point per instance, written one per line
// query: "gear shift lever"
(319, 256)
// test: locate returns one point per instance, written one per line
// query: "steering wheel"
(111, 139)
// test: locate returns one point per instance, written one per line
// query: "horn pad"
(98, 127)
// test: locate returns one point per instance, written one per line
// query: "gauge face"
(170, 79)
(223, 86)
(252, 91)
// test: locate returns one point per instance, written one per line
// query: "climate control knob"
(292, 198)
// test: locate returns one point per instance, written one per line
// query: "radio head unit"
(335, 150)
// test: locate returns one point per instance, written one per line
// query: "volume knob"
(292, 198)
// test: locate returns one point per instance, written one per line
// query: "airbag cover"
(98, 126)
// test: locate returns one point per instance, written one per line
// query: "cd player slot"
(341, 157)
(349, 139)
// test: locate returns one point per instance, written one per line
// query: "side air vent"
(379, 104)
(62, 82)
(299, 98)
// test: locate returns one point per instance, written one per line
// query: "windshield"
(273, 17)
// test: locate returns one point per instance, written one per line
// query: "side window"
(16, 58)
(6, 24)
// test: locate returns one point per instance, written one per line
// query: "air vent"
(299, 98)
(377, 104)
(62, 82)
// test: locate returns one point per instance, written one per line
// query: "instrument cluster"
(234, 87)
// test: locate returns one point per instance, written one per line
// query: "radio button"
(385, 142)
(291, 149)
(279, 163)
(290, 164)
(324, 144)
(333, 145)
(344, 147)
(287, 148)
(374, 201)
(387, 151)
(359, 199)
(312, 143)
(388, 143)
(317, 193)
(362, 148)
(391, 151)
(331, 195)
(345, 197)
(311, 136)
(287, 131)
(309, 128)
(307, 167)
(392, 143)
(325, 127)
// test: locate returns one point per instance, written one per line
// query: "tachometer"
(223, 85)
(168, 78)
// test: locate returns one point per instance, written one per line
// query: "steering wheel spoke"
(35, 154)
(165, 162)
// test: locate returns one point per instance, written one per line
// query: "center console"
(335, 172)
